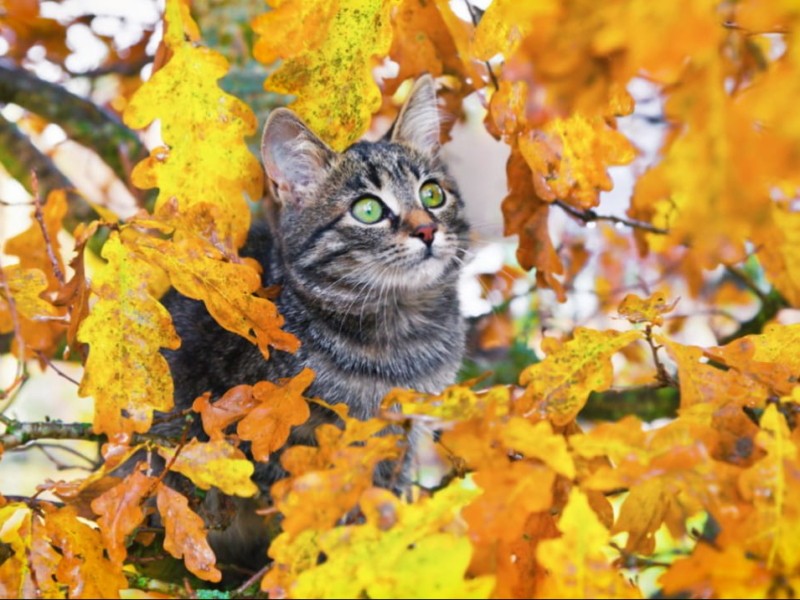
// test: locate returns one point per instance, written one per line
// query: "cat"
(366, 247)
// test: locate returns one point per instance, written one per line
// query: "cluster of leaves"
(533, 504)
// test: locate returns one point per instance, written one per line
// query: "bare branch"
(590, 216)
(20, 433)
(82, 120)
(39, 215)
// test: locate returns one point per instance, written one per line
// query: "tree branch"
(81, 119)
(590, 216)
(19, 433)
(648, 403)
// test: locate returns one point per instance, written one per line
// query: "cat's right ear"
(294, 158)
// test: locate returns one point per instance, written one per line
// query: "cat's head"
(380, 215)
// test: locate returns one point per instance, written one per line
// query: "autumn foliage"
(532, 495)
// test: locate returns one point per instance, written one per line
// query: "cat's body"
(374, 303)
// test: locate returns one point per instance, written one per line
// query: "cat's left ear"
(418, 122)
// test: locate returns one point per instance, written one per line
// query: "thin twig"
(590, 216)
(7, 203)
(60, 465)
(46, 359)
(663, 377)
(39, 215)
(254, 578)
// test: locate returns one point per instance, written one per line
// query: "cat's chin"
(426, 272)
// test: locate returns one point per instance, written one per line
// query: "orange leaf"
(232, 406)
(280, 408)
(185, 534)
(83, 568)
(120, 510)
(569, 158)
(526, 215)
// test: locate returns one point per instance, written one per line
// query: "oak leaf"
(185, 534)
(577, 563)
(199, 270)
(325, 46)
(205, 161)
(280, 407)
(82, 569)
(559, 386)
(120, 510)
(646, 310)
(214, 463)
(126, 373)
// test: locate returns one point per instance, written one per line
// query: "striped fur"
(373, 306)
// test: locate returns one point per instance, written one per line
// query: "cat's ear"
(418, 122)
(294, 158)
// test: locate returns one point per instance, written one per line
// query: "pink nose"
(425, 233)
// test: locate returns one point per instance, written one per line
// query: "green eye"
(432, 195)
(367, 210)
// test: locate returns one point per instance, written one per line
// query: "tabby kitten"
(366, 247)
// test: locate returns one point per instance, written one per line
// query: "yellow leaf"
(198, 270)
(506, 23)
(205, 160)
(538, 441)
(216, 463)
(772, 485)
(570, 156)
(26, 287)
(576, 561)
(329, 48)
(780, 254)
(646, 310)
(374, 559)
(125, 329)
(559, 386)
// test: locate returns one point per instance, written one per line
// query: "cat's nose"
(425, 232)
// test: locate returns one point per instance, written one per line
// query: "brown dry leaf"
(280, 407)
(559, 386)
(120, 510)
(525, 214)
(185, 534)
(215, 463)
